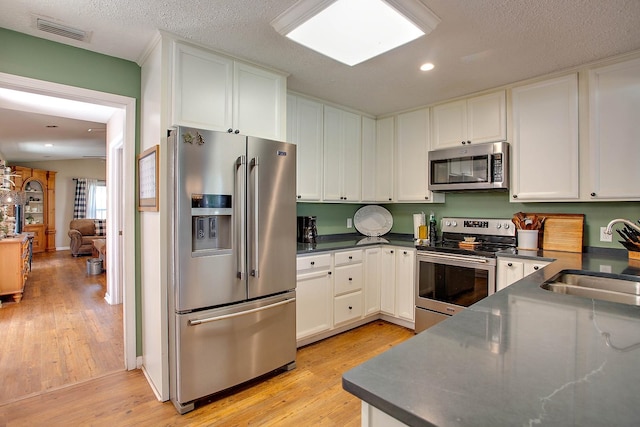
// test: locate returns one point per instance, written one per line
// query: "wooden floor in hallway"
(310, 395)
(62, 332)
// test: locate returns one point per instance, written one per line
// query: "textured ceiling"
(479, 44)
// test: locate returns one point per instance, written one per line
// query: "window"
(101, 201)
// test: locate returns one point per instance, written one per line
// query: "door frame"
(125, 269)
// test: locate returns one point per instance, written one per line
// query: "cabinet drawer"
(347, 307)
(315, 262)
(348, 257)
(348, 279)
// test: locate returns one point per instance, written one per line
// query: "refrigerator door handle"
(241, 164)
(256, 252)
(196, 322)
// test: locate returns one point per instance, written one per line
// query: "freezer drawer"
(217, 349)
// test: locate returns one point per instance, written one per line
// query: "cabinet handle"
(299, 196)
(350, 279)
(350, 308)
(468, 142)
(515, 196)
(464, 142)
(230, 130)
(426, 197)
(389, 198)
(350, 257)
(404, 252)
(313, 263)
(593, 194)
(329, 273)
(535, 267)
(391, 251)
(509, 264)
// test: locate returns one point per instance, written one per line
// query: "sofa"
(83, 232)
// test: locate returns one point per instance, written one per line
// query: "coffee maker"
(307, 231)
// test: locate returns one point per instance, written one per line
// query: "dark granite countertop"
(353, 241)
(521, 357)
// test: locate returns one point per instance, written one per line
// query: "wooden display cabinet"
(40, 187)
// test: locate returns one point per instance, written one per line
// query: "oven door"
(447, 283)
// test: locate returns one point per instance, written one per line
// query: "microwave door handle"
(241, 167)
(256, 231)
(477, 260)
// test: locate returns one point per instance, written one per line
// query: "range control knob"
(455, 224)
(498, 226)
(447, 223)
(506, 225)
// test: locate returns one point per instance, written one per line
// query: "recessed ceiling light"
(48, 145)
(427, 66)
(353, 31)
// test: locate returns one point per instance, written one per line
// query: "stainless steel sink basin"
(616, 288)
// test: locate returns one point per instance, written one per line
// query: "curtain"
(80, 202)
(91, 198)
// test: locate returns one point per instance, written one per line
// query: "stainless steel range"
(460, 269)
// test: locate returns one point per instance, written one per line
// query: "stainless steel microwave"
(470, 167)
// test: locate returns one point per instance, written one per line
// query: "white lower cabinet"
(347, 307)
(314, 295)
(510, 270)
(397, 282)
(343, 289)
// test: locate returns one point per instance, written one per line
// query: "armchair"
(83, 232)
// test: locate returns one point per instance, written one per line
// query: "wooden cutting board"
(562, 232)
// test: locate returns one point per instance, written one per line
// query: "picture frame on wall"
(148, 162)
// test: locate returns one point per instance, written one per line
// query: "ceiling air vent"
(62, 30)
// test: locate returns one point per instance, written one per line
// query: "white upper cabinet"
(473, 120)
(202, 89)
(259, 102)
(377, 159)
(614, 148)
(210, 91)
(342, 155)
(411, 157)
(545, 154)
(305, 129)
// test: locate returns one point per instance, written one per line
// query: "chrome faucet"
(609, 229)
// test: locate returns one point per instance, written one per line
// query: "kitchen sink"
(607, 287)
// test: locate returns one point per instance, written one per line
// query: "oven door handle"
(467, 258)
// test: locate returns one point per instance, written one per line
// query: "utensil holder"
(528, 239)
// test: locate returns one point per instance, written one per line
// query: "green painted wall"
(40, 59)
(332, 218)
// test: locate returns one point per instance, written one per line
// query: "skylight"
(353, 31)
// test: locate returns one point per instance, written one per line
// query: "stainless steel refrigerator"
(232, 255)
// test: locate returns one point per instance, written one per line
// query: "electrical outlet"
(349, 223)
(604, 237)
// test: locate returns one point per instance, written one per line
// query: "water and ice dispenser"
(211, 222)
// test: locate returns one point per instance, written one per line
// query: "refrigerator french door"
(232, 293)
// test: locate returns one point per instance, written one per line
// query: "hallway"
(62, 332)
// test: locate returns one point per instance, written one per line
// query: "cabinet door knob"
(350, 308)
(391, 251)
(350, 257)
(237, 131)
(404, 252)
(426, 197)
(389, 198)
(313, 263)
(464, 142)
(299, 196)
(329, 273)
(350, 279)
(515, 196)
(510, 264)
(535, 267)
(593, 194)
(230, 130)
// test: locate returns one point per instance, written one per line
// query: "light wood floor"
(309, 395)
(62, 332)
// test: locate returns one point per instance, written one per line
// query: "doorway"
(121, 208)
